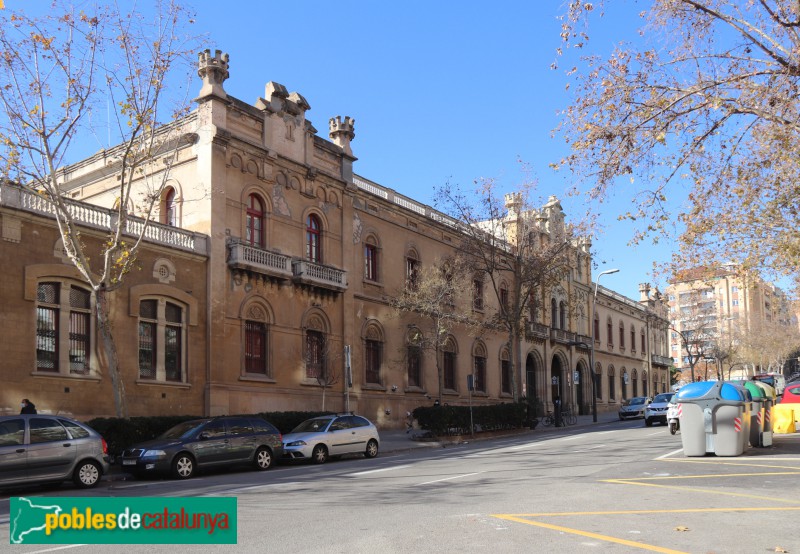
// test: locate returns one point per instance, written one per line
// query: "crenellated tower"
(214, 71)
(342, 131)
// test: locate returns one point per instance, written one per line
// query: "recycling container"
(767, 402)
(756, 415)
(713, 418)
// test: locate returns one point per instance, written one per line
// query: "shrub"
(455, 420)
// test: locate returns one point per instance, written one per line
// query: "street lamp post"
(594, 338)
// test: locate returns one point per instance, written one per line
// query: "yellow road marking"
(597, 536)
(718, 475)
(710, 491)
(520, 518)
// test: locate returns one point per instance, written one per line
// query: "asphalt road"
(617, 487)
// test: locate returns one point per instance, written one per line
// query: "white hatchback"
(320, 438)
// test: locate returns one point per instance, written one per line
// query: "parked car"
(320, 438)
(791, 394)
(205, 443)
(657, 409)
(38, 448)
(633, 407)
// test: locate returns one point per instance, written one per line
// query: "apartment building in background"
(726, 320)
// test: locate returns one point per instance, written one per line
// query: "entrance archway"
(583, 388)
(557, 381)
(532, 367)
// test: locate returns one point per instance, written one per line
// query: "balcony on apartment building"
(258, 260)
(562, 336)
(280, 266)
(535, 330)
(661, 360)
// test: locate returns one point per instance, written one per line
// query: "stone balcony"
(535, 330)
(562, 337)
(318, 275)
(249, 258)
(661, 360)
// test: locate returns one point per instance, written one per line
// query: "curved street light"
(591, 358)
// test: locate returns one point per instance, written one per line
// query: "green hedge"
(123, 433)
(454, 420)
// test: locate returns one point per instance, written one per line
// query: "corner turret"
(342, 131)
(214, 71)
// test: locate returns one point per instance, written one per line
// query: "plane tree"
(71, 75)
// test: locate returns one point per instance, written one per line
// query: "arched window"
(553, 314)
(562, 315)
(505, 372)
(414, 357)
(255, 222)
(169, 210)
(373, 352)
(479, 368)
(412, 270)
(504, 302)
(621, 335)
(313, 239)
(598, 383)
(449, 363)
(596, 328)
(256, 341)
(644, 384)
(642, 341)
(610, 332)
(611, 384)
(371, 259)
(623, 378)
(635, 383)
(633, 338)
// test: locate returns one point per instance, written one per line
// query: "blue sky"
(440, 91)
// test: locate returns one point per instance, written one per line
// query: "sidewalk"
(398, 440)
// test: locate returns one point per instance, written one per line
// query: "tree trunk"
(109, 349)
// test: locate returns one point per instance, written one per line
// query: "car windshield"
(666, 397)
(312, 426)
(635, 401)
(180, 430)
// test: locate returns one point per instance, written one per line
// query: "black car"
(205, 443)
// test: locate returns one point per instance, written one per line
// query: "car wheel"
(183, 466)
(87, 474)
(648, 422)
(263, 458)
(320, 454)
(621, 418)
(372, 449)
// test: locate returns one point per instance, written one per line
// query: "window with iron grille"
(505, 372)
(148, 328)
(315, 354)
(449, 369)
(162, 341)
(373, 361)
(412, 273)
(173, 344)
(414, 365)
(63, 328)
(477, 294)
(479, 373)
(255, 349)
(47, 319)
(370, 262)
(611, 384)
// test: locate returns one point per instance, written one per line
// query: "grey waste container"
(757, 415)
(712, 419)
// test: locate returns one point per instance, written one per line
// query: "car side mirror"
(204, 436)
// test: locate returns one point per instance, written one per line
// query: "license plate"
(129, 462)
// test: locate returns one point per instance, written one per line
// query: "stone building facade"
(302, 258)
